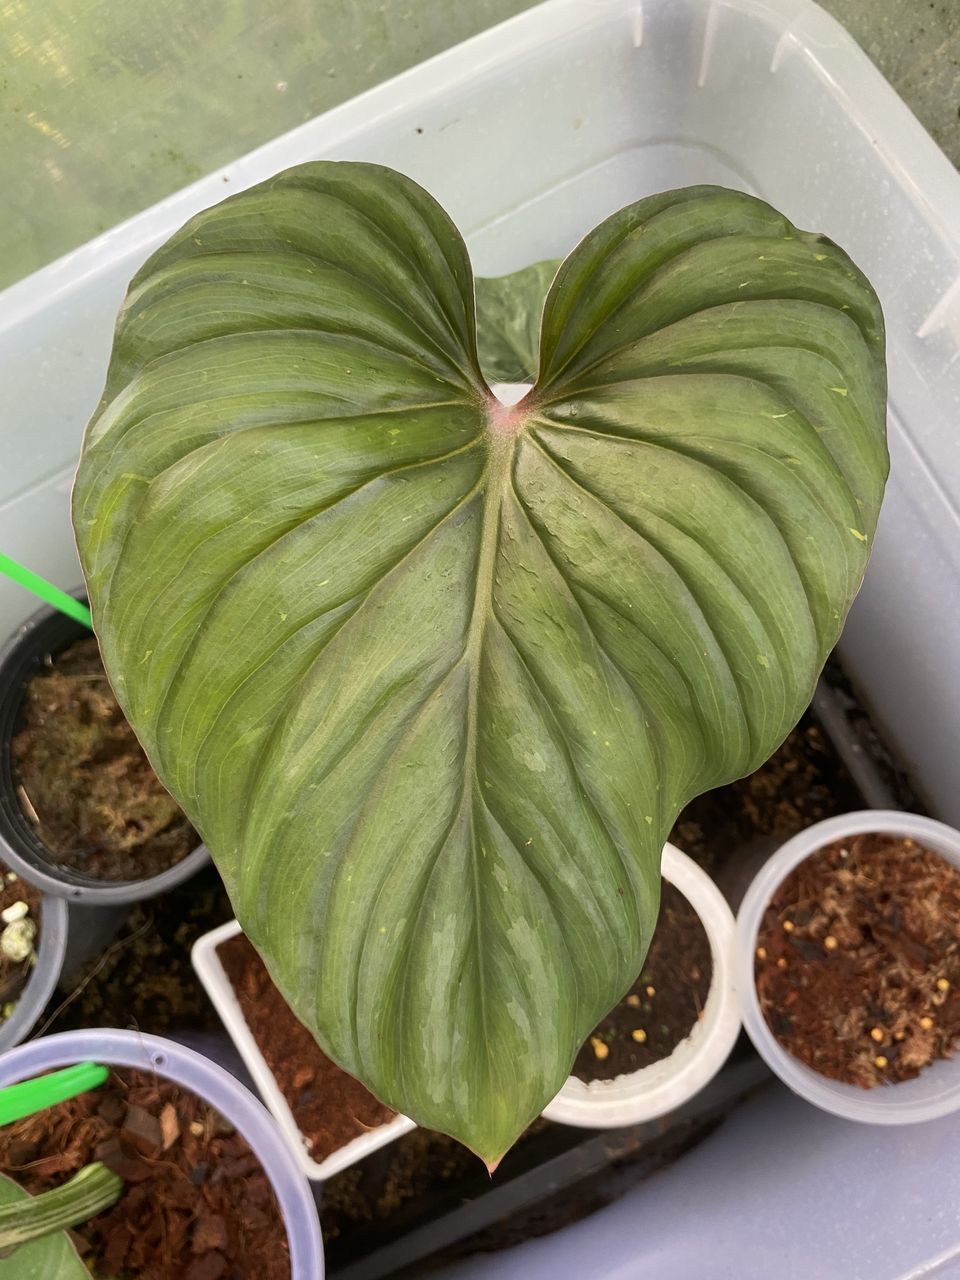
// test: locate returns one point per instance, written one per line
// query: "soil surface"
(663, 1005)
(83, 780)
(15, 974)
(330, 1106)
(143, 979)
(196, 1203)
(374, 1189)
(802, 783)
(421, 1174)
(858, 960)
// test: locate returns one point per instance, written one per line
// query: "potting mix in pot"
(196, 1203)
(19, 937)
(330, 1107)
(664, 1004)
(858, 960)
(83, 780)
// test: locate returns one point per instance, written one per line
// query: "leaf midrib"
(501, 446)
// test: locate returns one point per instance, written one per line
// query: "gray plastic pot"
(215, 1086)
(49, 631)
(51, 950)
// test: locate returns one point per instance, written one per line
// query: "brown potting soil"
(858, 960)
(330, 1106)
(802, 783)
(421, 1170)
(83, 780)
(143, 978)
(663, 1005)
(408, 1168)
(15, 974)
(196, 1203)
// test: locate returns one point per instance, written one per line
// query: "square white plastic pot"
(220, 990)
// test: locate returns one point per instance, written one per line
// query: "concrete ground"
(108, 105)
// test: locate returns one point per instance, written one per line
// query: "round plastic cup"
(217, 1088)
(49, 631)
(665, 1085)
(51, 949)
(936, 1091)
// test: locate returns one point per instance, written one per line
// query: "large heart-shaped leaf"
(433, 676)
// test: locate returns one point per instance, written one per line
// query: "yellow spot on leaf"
(840, 391)
(47, 129)
(862, 537)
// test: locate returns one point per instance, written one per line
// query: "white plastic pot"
(936, 1091)
(218, 987)
(667, 1084)
(217, 1088)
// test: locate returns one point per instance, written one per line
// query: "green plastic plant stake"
(31, 1096)
(25, 577)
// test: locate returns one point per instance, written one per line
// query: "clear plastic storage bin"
(529, 134)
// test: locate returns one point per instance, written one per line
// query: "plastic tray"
(529, 134)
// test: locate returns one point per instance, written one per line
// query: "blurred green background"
(108, 105)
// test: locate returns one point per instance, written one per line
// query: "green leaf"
(433, 677)
(51, 1258)
(90, 1191)
(508, 322)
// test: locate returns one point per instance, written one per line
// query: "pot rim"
(665, 1085)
